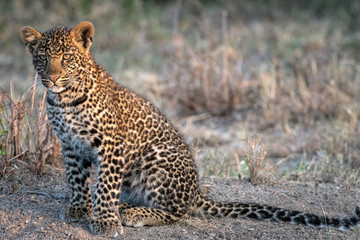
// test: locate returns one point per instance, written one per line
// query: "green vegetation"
(286, 70)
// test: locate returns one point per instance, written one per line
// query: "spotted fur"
(136, 149)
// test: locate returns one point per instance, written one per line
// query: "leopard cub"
(145, 170)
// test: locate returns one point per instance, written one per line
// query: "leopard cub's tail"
(208, 207)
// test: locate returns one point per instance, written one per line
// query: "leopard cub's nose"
(54, 78)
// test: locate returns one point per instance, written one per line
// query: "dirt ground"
(29, 208)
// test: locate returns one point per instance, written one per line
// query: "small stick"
(33, 93)
(40, 193)
(17, 156)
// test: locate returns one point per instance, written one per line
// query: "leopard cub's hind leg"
(134, 216)
(125, 205)
(146, 216)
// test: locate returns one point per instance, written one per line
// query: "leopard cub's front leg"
(78, 177)
(105, 219)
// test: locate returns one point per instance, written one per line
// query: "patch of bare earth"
(29, 207)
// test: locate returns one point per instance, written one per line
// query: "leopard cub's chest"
(73, 126)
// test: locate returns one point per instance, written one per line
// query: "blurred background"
(271, 86)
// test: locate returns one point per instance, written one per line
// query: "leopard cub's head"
(60, 54)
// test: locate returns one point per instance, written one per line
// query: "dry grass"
(204, 78)
(210, 74)
(26, 133)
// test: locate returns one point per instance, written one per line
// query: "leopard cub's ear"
(31, 38)
(82, 35)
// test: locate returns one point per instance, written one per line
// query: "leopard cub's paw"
(105, 227)
(74, 214)
(132, 218)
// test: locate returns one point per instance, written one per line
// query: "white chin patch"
(56, 89)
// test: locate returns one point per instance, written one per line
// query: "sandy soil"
(29, 207)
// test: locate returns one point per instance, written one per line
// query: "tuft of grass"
(254, 158)
(26, 134)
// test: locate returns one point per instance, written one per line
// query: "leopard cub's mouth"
(55, 84)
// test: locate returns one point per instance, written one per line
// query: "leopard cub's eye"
(42, 57)
(67, 56)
